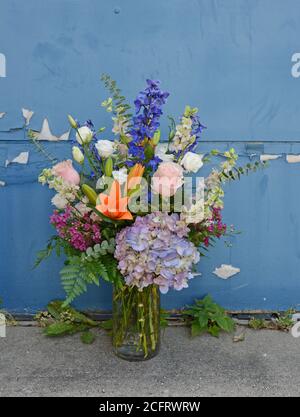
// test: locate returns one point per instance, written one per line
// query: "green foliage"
(107, 325)
(257, 324)
(285, 321)
(87, 337)
(63, 329)
(101, 249)
(236, 172)
(61, 321)
(78, 273)
(207, 316)
(81, 270)
(57, 244)
(117, 102)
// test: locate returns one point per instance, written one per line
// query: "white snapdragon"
(84, 135)
(120, 125)
(183, 135)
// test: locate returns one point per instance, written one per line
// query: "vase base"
(129, 353)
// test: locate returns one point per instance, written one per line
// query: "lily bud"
(108, 169)
(72, 122)
(90, 193)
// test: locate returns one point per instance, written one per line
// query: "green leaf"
(203, 319)
(107, 324)
(196, 330)
(214, 330)
(226, 323)
(87, 337)
(149, 152)
(63, 329)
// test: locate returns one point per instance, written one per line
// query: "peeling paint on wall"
(46, 134)
(22, 158)
(293, 159)
(2, 65)
(2, 114)
(269, 157)
(226, 271)
(27, 114)
(2, 183)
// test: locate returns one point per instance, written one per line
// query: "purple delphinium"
(197, 129)
(148, 109)
(155, 250)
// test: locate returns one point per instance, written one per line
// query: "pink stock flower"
(167, 179)
(66, 171)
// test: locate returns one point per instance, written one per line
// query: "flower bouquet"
(132, 212)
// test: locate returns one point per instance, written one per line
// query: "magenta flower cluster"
(215, 226)
(81, 232)
(155, 250)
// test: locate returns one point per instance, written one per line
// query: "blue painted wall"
(231, 58)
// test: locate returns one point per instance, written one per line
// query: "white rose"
(59, 201)
(105, 148)
(161, 150)
(192, 162)
(77, 155)
(84, 135)
(120, 176)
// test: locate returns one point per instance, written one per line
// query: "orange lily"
(135, 176)
(113, 205)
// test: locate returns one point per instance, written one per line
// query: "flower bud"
(77, 155)
(72, 122)
(90, 193)
(108, 167)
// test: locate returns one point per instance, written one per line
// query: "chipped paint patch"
(2, 114)
(293, 159)
(22, 158)
(46, 134)
(2, 66)
(269, 157)
(2, 183)
(226, 271)
(27, 114)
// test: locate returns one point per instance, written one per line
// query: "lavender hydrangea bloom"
(155, 250)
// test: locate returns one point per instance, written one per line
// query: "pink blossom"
(66, 171)
(167, 179)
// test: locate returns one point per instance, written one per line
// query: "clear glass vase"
(136, 322)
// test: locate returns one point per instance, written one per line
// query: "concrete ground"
(266, 363)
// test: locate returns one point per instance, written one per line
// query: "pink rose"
(167, 179)
(66, 171)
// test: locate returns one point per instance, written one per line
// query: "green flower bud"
(72, 122)
(108, 167)
(90, 193)
(156, 138)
